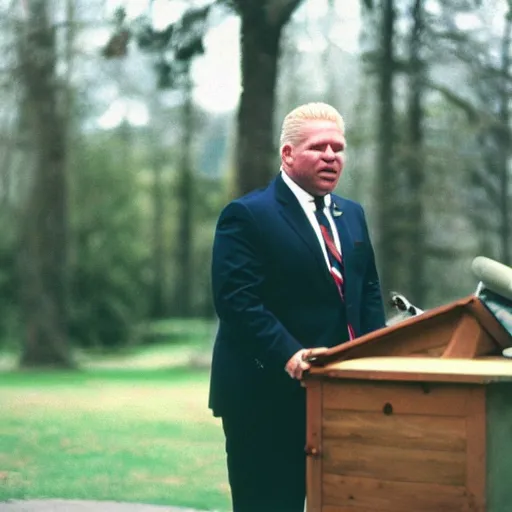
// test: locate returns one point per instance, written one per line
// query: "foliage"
(9, 327)
(173, 47)
(108, 259)
(193, 331)
(210, 200)
(143, 436)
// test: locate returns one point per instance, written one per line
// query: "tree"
(262, 25)
(44, 241)
(185, 196)
(415, 160)
(158, 307)
(261, 30)
(388, 249)
(173, 48)
(485, 55)
(502, 138)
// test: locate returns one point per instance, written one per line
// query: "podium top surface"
(419, 369)
(462, 329)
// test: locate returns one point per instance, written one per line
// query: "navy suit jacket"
(274, 295)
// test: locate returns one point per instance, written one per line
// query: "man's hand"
(298, 363)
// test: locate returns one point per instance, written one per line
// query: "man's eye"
(323, 147)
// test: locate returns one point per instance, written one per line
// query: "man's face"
(316, 162)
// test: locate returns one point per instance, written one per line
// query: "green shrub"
(109, 256)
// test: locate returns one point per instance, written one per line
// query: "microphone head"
(494, 275)
(403, 305)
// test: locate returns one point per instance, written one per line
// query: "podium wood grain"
(399, 446)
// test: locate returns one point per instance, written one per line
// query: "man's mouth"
(328, 173)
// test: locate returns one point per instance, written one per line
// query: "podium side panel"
(397, 447)
(499, 447)
(469, 340)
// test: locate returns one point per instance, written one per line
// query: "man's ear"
(287, 154)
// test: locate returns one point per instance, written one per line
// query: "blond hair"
(292, 125)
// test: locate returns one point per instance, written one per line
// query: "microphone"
(493, 275)
(403, 305)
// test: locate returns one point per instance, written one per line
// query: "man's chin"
(326, 188)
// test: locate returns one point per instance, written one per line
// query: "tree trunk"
(256, 154)
(185, 197)
(159, 303)
(415, 168)
(504, 139)
(388, 253)
(329, 59)
(43, 255)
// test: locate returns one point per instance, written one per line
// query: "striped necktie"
(336, 266)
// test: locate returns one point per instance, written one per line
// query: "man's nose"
(329, 154)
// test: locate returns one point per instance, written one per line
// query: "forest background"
(126, 126)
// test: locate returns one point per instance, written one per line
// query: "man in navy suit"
(278, 299)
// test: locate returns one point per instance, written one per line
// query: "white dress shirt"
(307, 202)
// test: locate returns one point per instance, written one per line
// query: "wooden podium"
(416, 417)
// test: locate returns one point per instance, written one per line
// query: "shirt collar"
(302, 196)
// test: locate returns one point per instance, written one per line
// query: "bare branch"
(473, 113)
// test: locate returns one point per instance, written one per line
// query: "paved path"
(83, 506)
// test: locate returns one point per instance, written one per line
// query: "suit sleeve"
(238, 280)
(372, 307)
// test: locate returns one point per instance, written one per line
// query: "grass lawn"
(140, 435)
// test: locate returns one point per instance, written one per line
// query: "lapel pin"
(336, 212)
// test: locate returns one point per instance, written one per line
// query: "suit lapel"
(293, 213)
